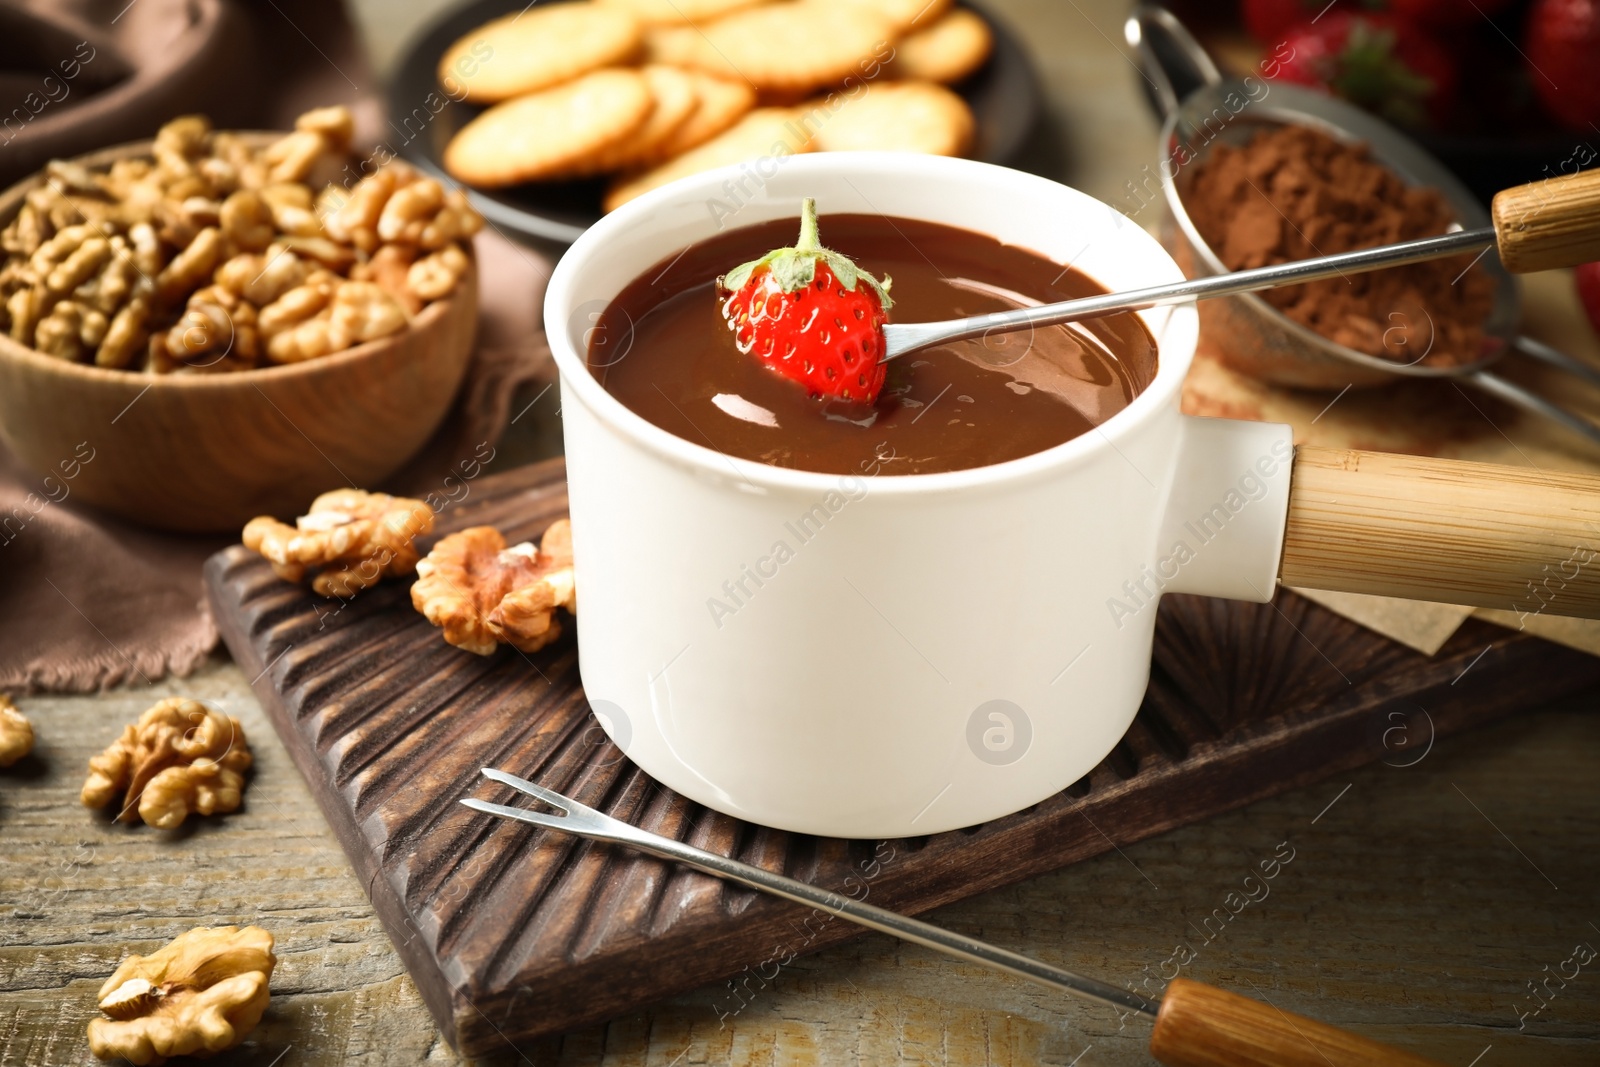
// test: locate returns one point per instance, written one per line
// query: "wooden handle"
(1202, 1026)
(1553, 223)
(1513, 538)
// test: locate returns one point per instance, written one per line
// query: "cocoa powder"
(1291, 193)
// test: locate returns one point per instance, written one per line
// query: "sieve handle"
(1448, 531)
(1533, 403)
(1172, 62)
(1548, 224)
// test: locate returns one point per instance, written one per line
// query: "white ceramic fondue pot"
(878, 656)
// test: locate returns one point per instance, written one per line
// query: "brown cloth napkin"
(76, 75)
(87, 601)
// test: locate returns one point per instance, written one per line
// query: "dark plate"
(1003, 94)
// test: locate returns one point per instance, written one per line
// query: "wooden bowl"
(206, 453)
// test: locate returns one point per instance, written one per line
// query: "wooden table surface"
(1423, 905)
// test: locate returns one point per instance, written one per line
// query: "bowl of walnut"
(227, 324)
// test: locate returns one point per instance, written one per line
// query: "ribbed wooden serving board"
(512, 932)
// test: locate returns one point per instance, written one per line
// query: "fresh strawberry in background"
(1588, 277)
(1378, 62)
(1269, 21)
(1442, 13)
(811, 315)
(1562, 41)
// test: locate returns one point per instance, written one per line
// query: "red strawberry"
(811, 315)
(1269, 20)
(1588, 276)
(1443, 12)
(1563, 45)
(1378, 62)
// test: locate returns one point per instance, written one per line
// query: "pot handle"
(1450, 531)
(1172, 61)
(1222, 531)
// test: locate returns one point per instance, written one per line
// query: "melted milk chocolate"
(664, 350)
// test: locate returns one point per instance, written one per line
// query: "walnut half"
(482, 593)
(352, 537)
(16, 733)
(180, 757)
(201, 994)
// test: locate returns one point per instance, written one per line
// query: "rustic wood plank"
(79, 892)
(1405, 916)
(389, 726)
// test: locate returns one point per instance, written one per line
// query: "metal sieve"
(1200, 110)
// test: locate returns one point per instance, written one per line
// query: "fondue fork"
(902, 337)
(1196, 1025)
(1536, 227)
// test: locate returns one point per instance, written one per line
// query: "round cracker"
(947, 51)
(767, 132)
(676, 96)
(905, 14)
(895, 117)
(536, 48)
(792, 47)
(722, 103)
(548, 133)
(678, 12)
(671, 45)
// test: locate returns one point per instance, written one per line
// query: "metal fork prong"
(574, 818)
(505, 811)
(565, 804)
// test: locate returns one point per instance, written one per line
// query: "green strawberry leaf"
(796, 268)
(1371, 74)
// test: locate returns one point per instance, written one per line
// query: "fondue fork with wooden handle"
(1196, 1025)
(1541, 226)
